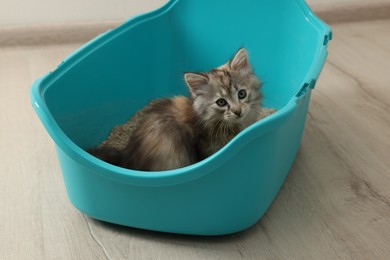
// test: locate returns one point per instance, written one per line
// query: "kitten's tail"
(110, 155)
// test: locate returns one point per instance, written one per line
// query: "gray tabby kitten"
(173, 133)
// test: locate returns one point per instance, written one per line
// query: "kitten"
(173, 133)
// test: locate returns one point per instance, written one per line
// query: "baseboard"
(53, 34)
(344, 13)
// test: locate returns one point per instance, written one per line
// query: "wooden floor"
(335, 203)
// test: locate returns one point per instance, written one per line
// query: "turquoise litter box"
(108, 79)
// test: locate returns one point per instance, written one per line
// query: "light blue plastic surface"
(116, 74)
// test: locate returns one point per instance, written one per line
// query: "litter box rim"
(188, 173)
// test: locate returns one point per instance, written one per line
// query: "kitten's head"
(228, 94)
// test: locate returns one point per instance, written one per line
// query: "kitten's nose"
(237, 111)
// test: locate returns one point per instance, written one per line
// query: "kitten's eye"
(241, 94)
(221, 102)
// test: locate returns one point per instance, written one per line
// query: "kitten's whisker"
(211, 133)
(225, 132)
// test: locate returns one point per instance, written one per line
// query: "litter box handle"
(302, 92)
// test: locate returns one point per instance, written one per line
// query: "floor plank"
(335, 203)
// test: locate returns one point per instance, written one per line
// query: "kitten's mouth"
(241, 116)
(236, 119)
(239, 119)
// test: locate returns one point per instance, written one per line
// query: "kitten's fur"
(173, 133)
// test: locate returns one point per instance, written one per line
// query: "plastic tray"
(104, 82)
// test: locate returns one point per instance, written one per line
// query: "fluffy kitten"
(173, 133)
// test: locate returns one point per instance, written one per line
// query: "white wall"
(59, 12)
(46, 12)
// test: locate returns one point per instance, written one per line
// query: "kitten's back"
(165, 138)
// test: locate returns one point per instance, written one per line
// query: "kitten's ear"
(196, 82)
(240, 62)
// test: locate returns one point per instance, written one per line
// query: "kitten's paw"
(269, 111)
(264, 112)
